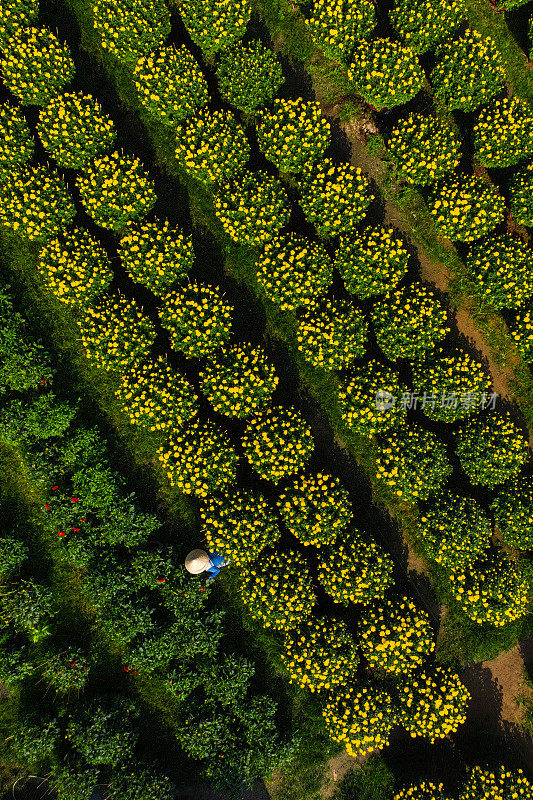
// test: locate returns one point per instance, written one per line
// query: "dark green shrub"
(104, 730)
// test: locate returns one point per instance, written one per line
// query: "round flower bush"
(355, 570)
(252, 208)
(315, 508)
(215, 25)
(34, 203)
(156, 397)
(513, 512)
(433, 704)
(66, 671)
(212, 146)
(334, 197)
(277, 443)
(385, 73)
(413, 462)
(17, 15)
(74, 128)
(320, 655)
(277, 590)
(453, 530)
(75, 267)
(197, 318)
(371, 262)
(502, 267)
(361, 717)
(115, 189)
(238, 380)
(522, 333)
(141, 27)
(115, 334)
(425, 790)
(155, 254)
(483, 784)
(239, 525)
(491, 449)
(369, 399)
(503, 133)
(491, 589)
(466, 208)
(409, 321)
(16, 143)
(422, 24)
(468, 73)
(36, 65)
(293, 271)
(450, 387)
(521, 195)
(424, 148)
(333, 335)
(199, 459)
(249, 76)
(170, 84)
(293, 134)
(395, 636)
(338, 25)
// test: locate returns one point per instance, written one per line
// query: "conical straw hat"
(197, 561)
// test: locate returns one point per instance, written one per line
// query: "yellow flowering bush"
(369, 399)
(277, 590)
(333, 335)
(453, 530)
(502, 784)
(361, 717)
(170, 84)
(36, 65)
(199, 459)
(16, 143)
(34, 202)
(139, 27)
(513, 512)
(334, 197)
(75, 267)
(215, 24)
(466, 208)
(413, 462)
(385, 73)
(521, 195)
(522, 333)
(156, 397)
(424, 148)
(491, 449)
(320, 654)
(238, 380)
(294, 271)
(425, 790)
(355, 569)
(502, 267)
(155, 254)
(115, 189)
(277, 443)
(422, 24)
(252, 208)
(371, 262)
(409, 322)
(249, 76)
(433, 704)
(503, 133)
(239, 525)
(197, 318)
(337, 25)
(315, 508)
(212, 146)
(395, 636)
(16, 15)
(468, 73)
(293, 134)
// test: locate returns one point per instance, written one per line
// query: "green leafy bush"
(132, 783)
(424, 148)
(141, 26)
(466, 207)
(332, 335)
(13, 553)
(238, 380)
(197, 318)
(453, 530)
(36, 743)
(27, 423)
(422, 24)
(502, 267)
(395, 636)
(293, 134)
(521, 195)
(385, 73)
(104, 730)
(369, 399)
(16, 143)
(491, 449)
(36, 66)
(361, 717)
(371, 262)
(155, 254)
(70, 782)
(503, 133)
(23, 360)
(413, 463)
(27, 606)
(212, 146)
(66, 671)
(338, 25)
(334, 197)
(34, 203)
(434, 704)
(277, 443)
(513, 512)
(17, 15)
(249, 76)
(315, 508)
(320, 655)
(16, 662)
(215, 25)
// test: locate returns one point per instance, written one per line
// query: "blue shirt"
(217, 561)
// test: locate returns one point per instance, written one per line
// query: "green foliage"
(36, 743)
(24, 363)
(466, 207)
(521, 195)
(155, 254)
(361, 717)
(27, 606)
(212, 146)
(41, 419)
(433, 704)
(502, 267)
(371, 262)
(373, 780)
(13, 553)
(16, 15)
(198, 319)
(16, 661)
(16, 143)
(66, 671)
(385, 73)
(513, 512)
(422, 24)
(293, 134)
(334, 197)
(141, 27)
(320, 654)
(36, 65)
(132, 783)
(277, 443)
(104, 730)
(249, 76)
(413, 462)
(424, 148)
(71, 781)
(491, 449)
(369, 399)
(338, 25)
(215, 25)
(503, 133)
(315, 508)
(332, 335)
(34, 203)
(453, 530)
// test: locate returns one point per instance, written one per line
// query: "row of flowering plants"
(480, 783)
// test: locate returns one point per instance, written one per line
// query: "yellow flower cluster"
(433, 704)
(371, 262)
(157, 397)
(170, 84)
(424, 148)
(334, 197)
(197, 318)
(503, 133)
(212, 146)
(501, 785)
(74, 128)
(413, 462)
(215, 24)
(453, 530)
(320, 654)
(513, 512)
(521, 195)
(315, 508)
(355, 570)
(155, 254)
(138, 28)
(385, 73)
(395, 636)
(422, 24)
(200, 459)
(277, 590)
(293, 271)
(333, 335)
(361, 718)
(74, 266)
(294, 134)
(238, 380)
(36, 66)
(369, 399)
(425, 790)
(34, 202)
(502, 267)
(466, 208)
(522, 333)
(16, 14)
(16, 143)
(115, 189)
(239, 525)
(277, 443)
(249, 76)
(491, 449)
(337, 25)
(252, 208)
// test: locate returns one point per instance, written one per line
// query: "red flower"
(75, 499)
(43, 382)
(161, 580)
(202, 589)
(82, 520)
(75, 529)
(55, 487)
(47, 506)
(61, 533)
(73, 663)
